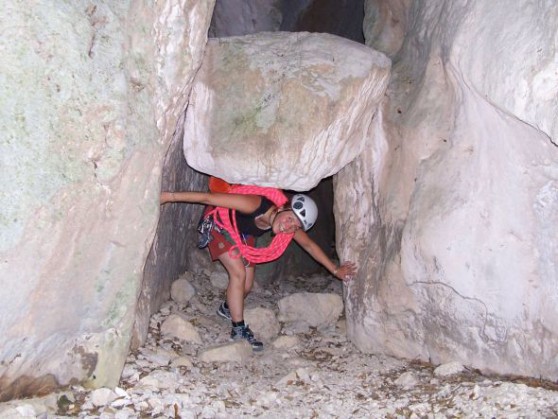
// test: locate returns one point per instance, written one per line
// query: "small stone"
(182, 361)
(177, 326)
(102, 396)
(303, 375)
(288, 379)
(448, 369)
(263, 322)
(407, 380)
(316, 309)
(25, 410)
(182, 291)
(219, 280)
(239, 352)
(286, 342)
(125, 413)
(120, 392)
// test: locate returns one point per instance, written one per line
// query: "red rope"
(226, 219)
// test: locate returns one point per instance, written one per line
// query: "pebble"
(305, 372)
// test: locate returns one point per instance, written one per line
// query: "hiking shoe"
(244, 332)
(224, 312)
(205, 226)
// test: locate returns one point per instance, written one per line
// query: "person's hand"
(166, 197)
(346, 271)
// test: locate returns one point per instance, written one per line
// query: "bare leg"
(250, 274)
(236, 291)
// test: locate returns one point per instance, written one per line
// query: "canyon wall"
(91, 94)
(457, 238)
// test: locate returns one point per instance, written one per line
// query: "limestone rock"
(286, 342)
(407, 380)
(182, 361)
(102, 396)
(452, 210)
(300, 100)
(449, 368)
(239, 352)
(263, 322)
(219, 279)
(160, 379)
(182, 291)
(91, 96)
(311, 308)
(177, 326)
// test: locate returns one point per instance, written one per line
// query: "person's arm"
(243, 203)
(345, 271)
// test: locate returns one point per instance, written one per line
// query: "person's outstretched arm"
(243, 203)
(346, 271)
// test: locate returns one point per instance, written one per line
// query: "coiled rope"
(226, 219)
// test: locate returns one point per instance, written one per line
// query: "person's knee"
(237, 278)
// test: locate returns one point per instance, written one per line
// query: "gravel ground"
(318, 374)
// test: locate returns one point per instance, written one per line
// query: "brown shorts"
(222, 242)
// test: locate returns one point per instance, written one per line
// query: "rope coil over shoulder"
(226, 219)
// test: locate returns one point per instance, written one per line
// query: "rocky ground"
(189, 369)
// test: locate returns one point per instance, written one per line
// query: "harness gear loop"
(226, 219)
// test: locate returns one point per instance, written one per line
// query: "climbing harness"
(226, 219)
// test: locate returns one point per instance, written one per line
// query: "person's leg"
(250, 274)
(236, 291)
(236, 288)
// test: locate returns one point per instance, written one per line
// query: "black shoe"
(205, 226)
(244, 332)
(224, 312)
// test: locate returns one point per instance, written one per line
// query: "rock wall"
(457, 240)
(90, 93)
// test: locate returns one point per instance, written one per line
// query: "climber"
(255, 215)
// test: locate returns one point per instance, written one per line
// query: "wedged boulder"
(282, 109)
(452, 211)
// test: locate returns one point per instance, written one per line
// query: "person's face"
(286, 222)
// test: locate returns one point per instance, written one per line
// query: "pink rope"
(227, 220)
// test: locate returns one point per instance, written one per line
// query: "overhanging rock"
(282, 109)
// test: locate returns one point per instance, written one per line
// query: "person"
(256, 215)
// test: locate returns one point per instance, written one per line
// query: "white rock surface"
(315, 309)
(91, 94)
(451, 210)
(301, 99)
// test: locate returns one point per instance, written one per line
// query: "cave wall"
(91, 94)
(457, 243)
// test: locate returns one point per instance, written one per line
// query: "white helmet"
(305, 210)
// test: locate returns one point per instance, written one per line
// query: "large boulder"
(282, 109)
(452, 210)
(91, 94)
